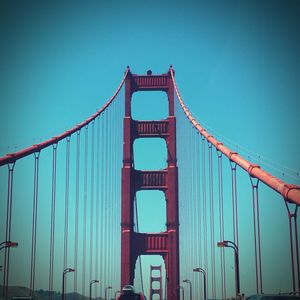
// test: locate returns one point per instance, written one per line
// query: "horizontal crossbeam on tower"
(149, 180)
(150, 128)
(150, 82)
(150, 243)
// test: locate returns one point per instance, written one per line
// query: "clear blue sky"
(237, 66)
(236, 63)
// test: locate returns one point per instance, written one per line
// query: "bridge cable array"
(77, 203)
(83, 176)
(289, 192)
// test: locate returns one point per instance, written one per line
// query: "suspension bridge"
(71, 221)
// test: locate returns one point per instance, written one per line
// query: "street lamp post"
(106, 289)
(4, 245)
(93, 281)
(182, 288)
(200, 270)
(236, 262)
(67, 270)
(190, 283)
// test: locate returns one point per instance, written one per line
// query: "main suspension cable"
(290, 192)
(12, 157)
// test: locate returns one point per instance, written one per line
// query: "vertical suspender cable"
(8, 228)
(195, 208)
(297, 246)
(76, 209)
(292, 251)
(256, 226)
(189, 198)
(105, 252)
(102, 206)
(290, 216)
(34, 221)
(109, 185)
(120, 152)
(107, 190)
(199, 217)
(84, 210)
(97, 202)
(52, 217)
(204, 206)
(259, 244)
(92, 202)
(234, 203)
(114, 189)
(110, 258)
(67, 202)
(108, 198)
(221, 220)
(212, 228)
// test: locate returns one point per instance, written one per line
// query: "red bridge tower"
(166, 243)
(158, 290)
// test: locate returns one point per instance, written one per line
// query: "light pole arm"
(236, 262)
(232, 245)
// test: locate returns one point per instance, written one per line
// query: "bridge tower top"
(149, 82)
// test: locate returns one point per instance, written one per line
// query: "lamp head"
(67, 270)
(94, 281)
(12, 244)
(222, 244)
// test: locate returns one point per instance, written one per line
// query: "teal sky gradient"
(236, 63)
(233, 61)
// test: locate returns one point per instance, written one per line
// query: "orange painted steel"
(290, 192)
(165, 244)
(12, 157)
